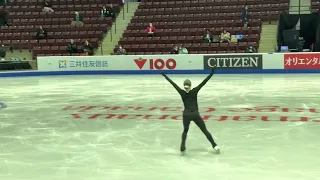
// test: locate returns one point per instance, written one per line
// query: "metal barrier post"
(127, 7)
(123, 14)
(101, 46)
(20, 43)
(299, 7)
(111, 34)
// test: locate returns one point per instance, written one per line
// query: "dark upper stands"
(184, 22)
(25, 16)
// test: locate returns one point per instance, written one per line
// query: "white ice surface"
(41, 141)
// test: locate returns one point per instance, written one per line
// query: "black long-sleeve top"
(190, 99)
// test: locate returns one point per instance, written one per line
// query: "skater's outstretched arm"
(172, 83)
(205, 80)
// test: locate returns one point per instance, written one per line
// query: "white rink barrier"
(177, 64)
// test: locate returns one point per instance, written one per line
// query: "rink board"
(246, 63)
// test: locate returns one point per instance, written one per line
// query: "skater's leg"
(186, 124)
(200, 123)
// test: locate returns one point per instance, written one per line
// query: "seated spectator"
(174, 50)
(234, 39)
(47, 7)
(3, 53)
(41, 33)
(183, 50)
(3, 18)
(151, 30)
(87, 48)
(77, 20)
(72, 47)
(103, 11)
(251, 49)
(207, 38)
(107, 13)
(244, 16)
(121, 51)
(225, 37)
(110, 8)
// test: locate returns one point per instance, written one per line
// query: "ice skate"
(217, 149)
(182, 153)
(182, 149)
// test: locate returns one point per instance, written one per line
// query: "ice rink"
(129, 128)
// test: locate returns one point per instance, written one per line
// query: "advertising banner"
(238, 63)
(81, 64)
(233, 61)
(72, 63)
(302, 61)
(168, 62)
(96, 63)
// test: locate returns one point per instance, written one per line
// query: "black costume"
(191, 113)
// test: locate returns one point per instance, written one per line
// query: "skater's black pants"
(196, 118)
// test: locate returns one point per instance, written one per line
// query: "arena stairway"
(118, 27)
(268, 38)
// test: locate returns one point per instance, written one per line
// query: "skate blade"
(217, 151)
(182, 153)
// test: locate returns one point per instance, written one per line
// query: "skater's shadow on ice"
(198, 152)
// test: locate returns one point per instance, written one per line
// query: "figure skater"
(191, 112)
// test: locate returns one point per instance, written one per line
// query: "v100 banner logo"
(156, 63)
(233, 61)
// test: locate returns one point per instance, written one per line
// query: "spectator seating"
(315, 5)
(185, 22)
(25, 16)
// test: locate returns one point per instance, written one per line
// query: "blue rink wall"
(246, 63)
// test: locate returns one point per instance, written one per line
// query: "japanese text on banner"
(82, 64)
(302, 61)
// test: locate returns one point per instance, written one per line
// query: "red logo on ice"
(156, 64)
(302, 61)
